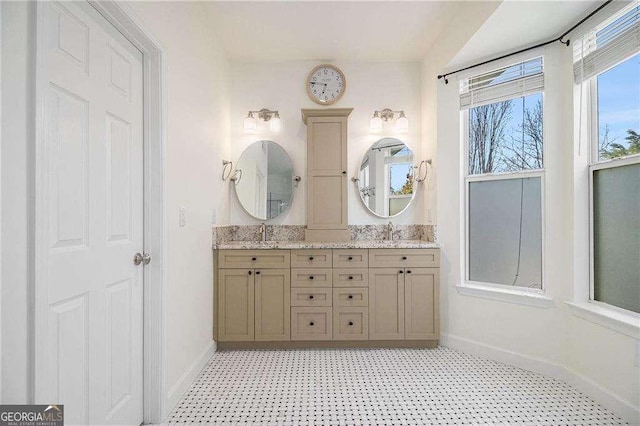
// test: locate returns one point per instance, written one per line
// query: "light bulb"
(376, 123)
(250, 125)
(275, 124)
(402, 123)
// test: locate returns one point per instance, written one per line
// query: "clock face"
(325, 84)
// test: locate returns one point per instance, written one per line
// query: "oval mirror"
(264, 180)
(385, 178)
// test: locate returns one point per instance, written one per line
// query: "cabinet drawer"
(254, 259)
(350, 277)
(311, 258)
(351, 258)
(350, 324)
(305, 296)
(311, 323)
(355, 296)
(311, 277)
(399, 258)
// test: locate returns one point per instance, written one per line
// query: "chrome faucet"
(390, 231)
(263, 231)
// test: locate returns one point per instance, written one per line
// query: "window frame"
(595, 164)
(466, 181)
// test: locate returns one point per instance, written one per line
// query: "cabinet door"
(327, 173)
(235, 304)
(272, 304)
(386, 303)
(421, 303)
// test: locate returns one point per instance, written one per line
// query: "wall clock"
(326, 84)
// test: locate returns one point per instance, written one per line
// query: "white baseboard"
(180, 387)
(601, 395)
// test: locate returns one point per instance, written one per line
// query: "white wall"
(18, 45)
(198, 117)
(586, 352)
(281, 86)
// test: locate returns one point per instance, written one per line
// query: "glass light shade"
(402, 124)
(376, 123)
(275, 124)
(250, 124)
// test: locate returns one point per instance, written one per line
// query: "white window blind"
(608, 44)
(505, 83)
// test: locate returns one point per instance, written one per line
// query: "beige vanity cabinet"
(327, 180)
(403, 300)
(253, 302)
(327, 297)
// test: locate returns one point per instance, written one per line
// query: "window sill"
(506, 295)
(627, 324)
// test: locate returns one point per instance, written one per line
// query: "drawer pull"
(404, 257)
(350, 258)
(254, 258)
(400, 272)
(311, 296)
(351, 296)
(310, 277)
(409, 271)
(350, 277)
(257, 272)
(310, 257)
(311, 323)
(350, 322)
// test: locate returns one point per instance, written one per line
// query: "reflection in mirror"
(264, 180)
(386, 177)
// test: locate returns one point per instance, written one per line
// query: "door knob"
(139, 258)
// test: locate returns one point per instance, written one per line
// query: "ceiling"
(516, 24)
(386, 31)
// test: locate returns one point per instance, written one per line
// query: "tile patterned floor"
(378, 387)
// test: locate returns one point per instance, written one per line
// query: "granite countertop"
(286, 245)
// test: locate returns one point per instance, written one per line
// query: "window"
(502, 112)
(400, 175)
(607, 64)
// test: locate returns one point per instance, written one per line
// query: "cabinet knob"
(344, 172)
(351, 296)
(249, 272)
(350, 277)
(350, 322)
(310, 257)
(311, 323)
(311, 296)
(254, 258)
(257, 272)
(408, 272)
(400, 272)
(310, 277)
(350, 258)
(404, 257)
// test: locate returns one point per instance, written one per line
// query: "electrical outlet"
(183, 216)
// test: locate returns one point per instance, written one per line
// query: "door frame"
(122, 17)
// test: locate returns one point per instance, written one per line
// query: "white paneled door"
(89, 218)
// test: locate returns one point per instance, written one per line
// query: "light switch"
(183, 216)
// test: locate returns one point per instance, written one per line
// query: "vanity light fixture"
(401, 121)
(250, 124)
